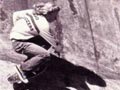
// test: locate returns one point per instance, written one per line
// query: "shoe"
(21, 74)
(14, 78)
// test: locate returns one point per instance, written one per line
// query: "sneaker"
(21, 74)
(14, 78)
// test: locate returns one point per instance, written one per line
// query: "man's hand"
(58, 48)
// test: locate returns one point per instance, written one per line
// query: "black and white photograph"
(59, 45)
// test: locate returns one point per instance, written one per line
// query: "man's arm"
(18, 14)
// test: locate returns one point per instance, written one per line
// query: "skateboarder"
(31, 36)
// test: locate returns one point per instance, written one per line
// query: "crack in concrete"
(96, 53)
(72, 7)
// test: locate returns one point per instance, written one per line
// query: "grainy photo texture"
(59, 45)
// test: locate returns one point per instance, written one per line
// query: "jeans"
(36, 49)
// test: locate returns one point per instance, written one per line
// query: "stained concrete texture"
(91, 34)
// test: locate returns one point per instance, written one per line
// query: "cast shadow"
(60, 74)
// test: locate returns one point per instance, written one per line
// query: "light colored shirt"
(21, 30)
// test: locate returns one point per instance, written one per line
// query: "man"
(31, 36)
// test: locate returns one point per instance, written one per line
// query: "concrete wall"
(90, 34)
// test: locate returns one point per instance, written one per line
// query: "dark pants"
(35, 48)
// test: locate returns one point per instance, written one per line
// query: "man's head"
(45, 8)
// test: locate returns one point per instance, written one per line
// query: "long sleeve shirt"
(22, 31)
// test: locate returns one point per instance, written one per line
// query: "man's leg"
(38, 54)
(35, 51)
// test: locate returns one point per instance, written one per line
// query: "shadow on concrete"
(60, 74)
